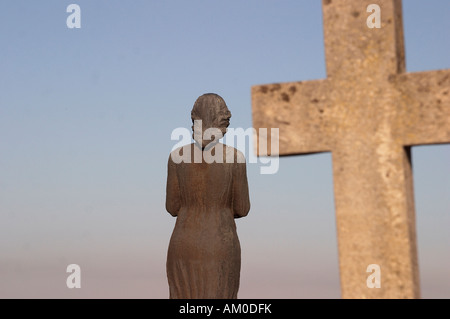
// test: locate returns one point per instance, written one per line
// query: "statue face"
(224, 120)
(204, 133)
(210, 119)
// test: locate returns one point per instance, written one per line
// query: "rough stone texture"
(204, 255)
(368, 112)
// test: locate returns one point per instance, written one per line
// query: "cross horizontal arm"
(301, 111)
(424, 116)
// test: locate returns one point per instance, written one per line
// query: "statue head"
(210, 114)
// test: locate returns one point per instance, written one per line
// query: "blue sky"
(86, 117)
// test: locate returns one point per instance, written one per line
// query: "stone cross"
(368, 112)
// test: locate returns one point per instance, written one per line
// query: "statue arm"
(241, 200)
(173, 202)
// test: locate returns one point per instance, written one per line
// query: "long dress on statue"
(204, 255)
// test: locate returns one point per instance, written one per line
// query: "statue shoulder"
(238, 156)
(181, 153)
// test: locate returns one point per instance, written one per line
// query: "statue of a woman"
(204, 256)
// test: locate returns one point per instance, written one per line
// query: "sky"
(86, 117)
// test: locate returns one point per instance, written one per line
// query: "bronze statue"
(204, 255)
